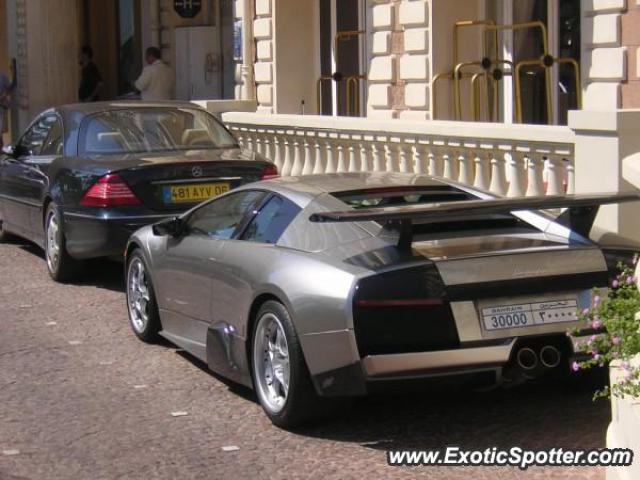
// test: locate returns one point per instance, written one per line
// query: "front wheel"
(280, 375)
(144, 317)
(60, 265)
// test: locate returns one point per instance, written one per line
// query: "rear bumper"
(489, 357)
(93, 236)
(415, 363)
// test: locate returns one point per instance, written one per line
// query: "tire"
(4, 235)
(142, 308)
(299, 404)
(61, 266)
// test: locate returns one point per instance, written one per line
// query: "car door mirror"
(9, 150)
(173, 227)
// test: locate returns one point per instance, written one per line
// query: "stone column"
(604, 141)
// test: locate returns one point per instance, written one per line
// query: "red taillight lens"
(270, 171)
(109, 191)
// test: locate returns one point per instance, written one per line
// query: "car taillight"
(109, 191)
(270, 171)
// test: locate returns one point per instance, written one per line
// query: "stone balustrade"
(511, 160)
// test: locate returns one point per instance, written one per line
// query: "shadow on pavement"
(537, 416)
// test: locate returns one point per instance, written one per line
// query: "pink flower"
(575, 366)
(585, 311)
(596, 323)
(596, 356)
(615, 284)
(596, 299)
(592, 339)
(615, 340)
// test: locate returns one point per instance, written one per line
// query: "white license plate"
(529, 314)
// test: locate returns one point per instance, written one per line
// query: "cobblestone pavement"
(82, 398)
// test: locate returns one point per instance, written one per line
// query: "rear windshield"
(416, 195)
(155, 129)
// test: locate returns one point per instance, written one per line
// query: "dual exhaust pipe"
(548, 356)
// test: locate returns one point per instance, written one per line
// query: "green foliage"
(618, 316)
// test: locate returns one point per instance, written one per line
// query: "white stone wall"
(604, 65)
(263, 68)
(399, 69)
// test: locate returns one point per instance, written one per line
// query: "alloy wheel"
(271, 361)
(138, 296)
(53, 242)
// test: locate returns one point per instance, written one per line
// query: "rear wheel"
(280, 375)
(60, 265)
(4, 235)
(141, 300)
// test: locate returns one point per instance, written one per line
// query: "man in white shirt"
(157, 80)
(6, 88)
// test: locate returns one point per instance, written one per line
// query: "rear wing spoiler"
(579, 216)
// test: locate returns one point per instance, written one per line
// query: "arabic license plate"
(193, 193)
(529, 314)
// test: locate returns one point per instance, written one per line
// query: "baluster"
(364, 158)
(466, 169)
(277, 152)
(266, 146)
(498, 178)
(481, 179)
(554, 178)
(307, 168)
(402, 159)
(331, 161)
(389, 163)
(418, 166)
(449, 171)
(251, 141)
(296, 168)
(535, 186)
(258, 143)
(376, 157)
(318, 166)
(288, 160)
(433, 168)
(352, 158)
(571, 176)
(240, 137)
(516, 174)
(342, 166)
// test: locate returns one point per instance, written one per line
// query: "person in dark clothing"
(90, 79)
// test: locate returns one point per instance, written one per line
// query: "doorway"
(562, 21)
(112, 30)
(341, 87)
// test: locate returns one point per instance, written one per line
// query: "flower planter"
(624, 429)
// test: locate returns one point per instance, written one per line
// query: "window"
(221, 218)
(32, 141)
(54, 143)
(139, 130)
(272, 220)
(395, 196)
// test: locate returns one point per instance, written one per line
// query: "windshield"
(154, 129)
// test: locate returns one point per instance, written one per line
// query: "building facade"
(385, 59)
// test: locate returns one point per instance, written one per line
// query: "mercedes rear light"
(109, 191)
(270, 171)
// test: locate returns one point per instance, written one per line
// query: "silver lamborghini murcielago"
(313, 289)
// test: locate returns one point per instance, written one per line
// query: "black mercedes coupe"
(82, 178)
